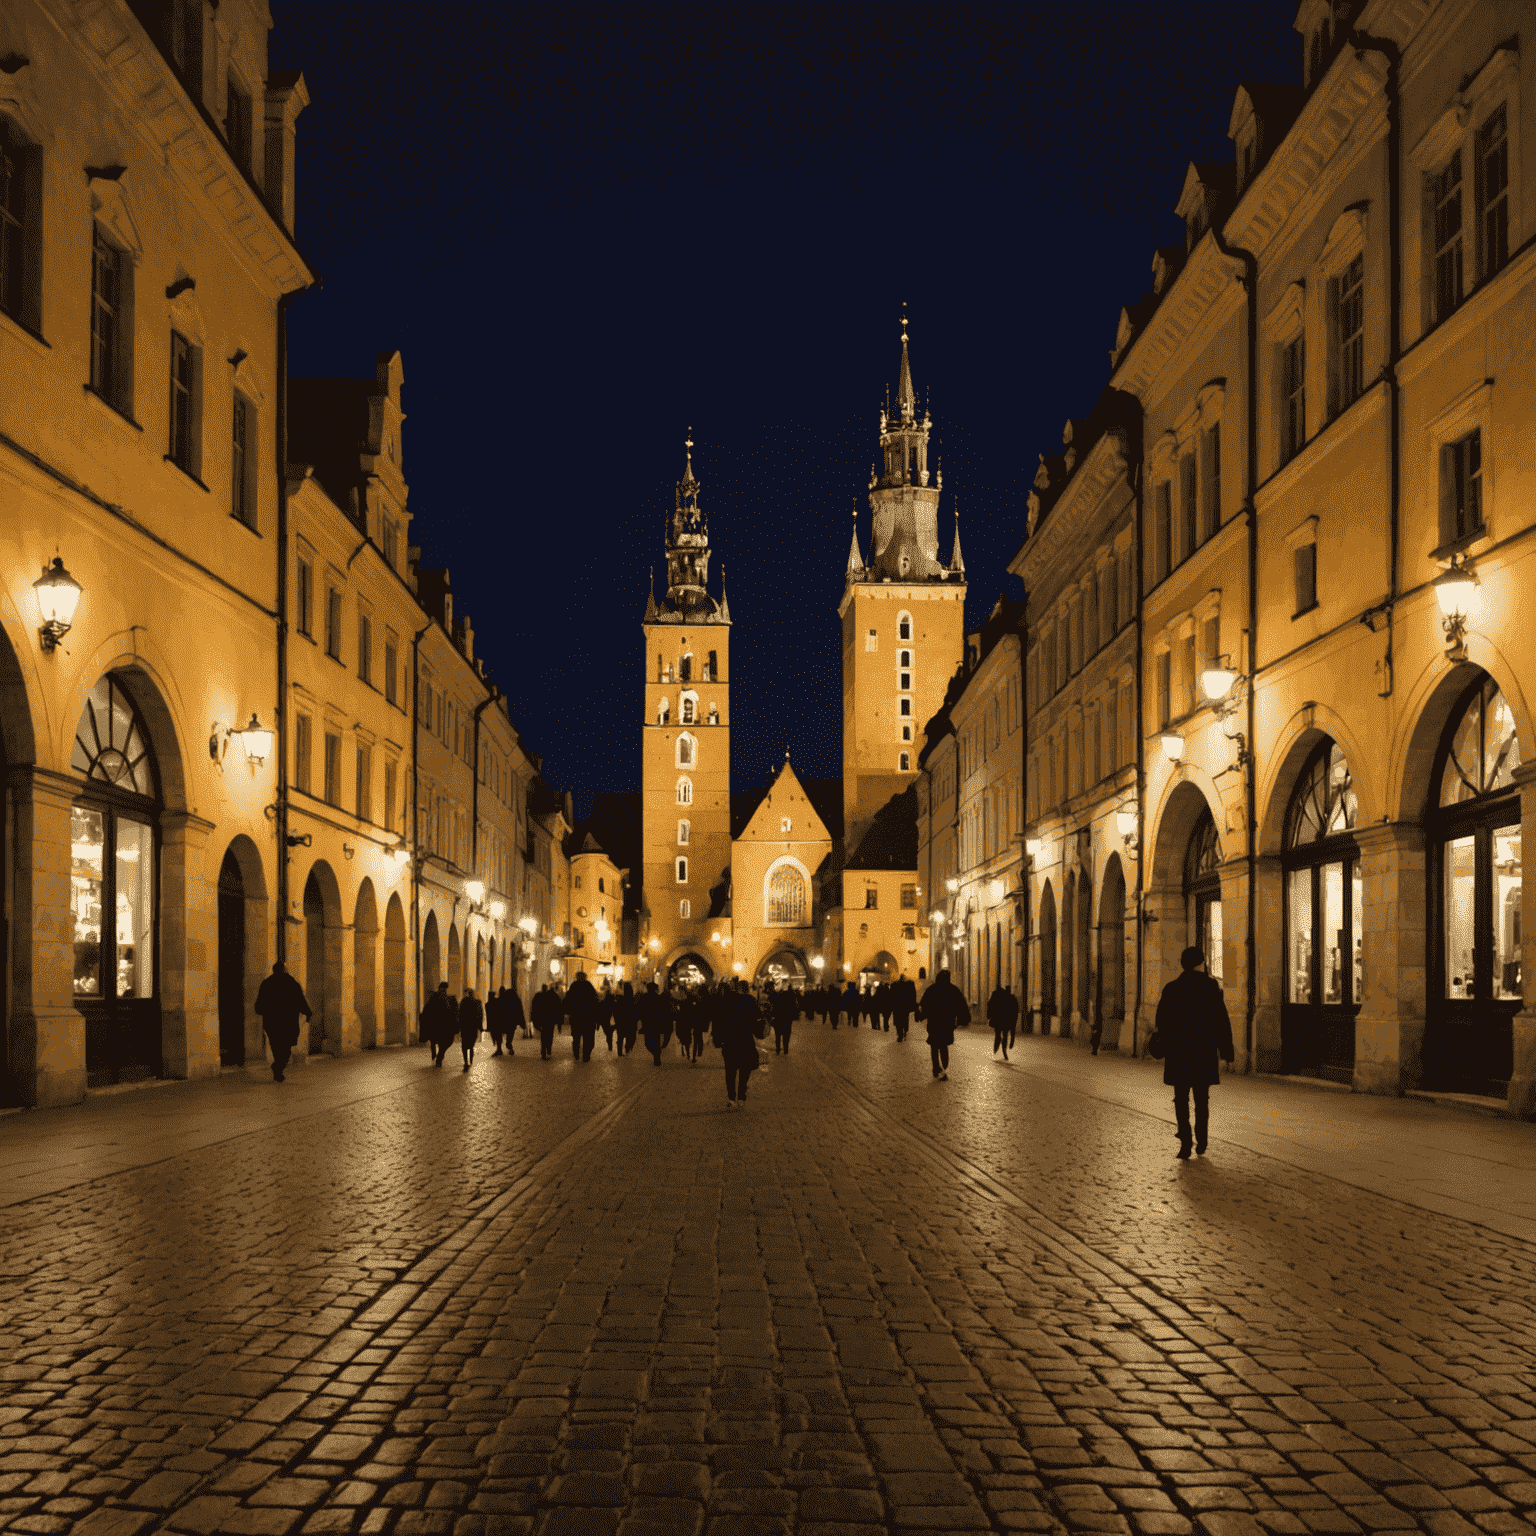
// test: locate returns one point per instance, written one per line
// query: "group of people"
(447, 1019)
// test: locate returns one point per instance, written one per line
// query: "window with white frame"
(1492, 192)
(1463, 469)
(687, 750)
(685, 791)
(682, 871)
(903, 625)
(905, 706)
(663, 711)
(905, 762)
(685, 908)
(682, 834)
(1303, 544)
(688, 708)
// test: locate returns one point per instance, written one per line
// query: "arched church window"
(1324, 897)
(786, 896)
(682, 871)
(903, 626)
(906, 762)
(682, 834)
(112, 886)
(1476, 863)
(687, 754)
(1202, 891)
(685, 791)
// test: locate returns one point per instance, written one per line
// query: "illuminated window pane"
(134, 954)
(1460, 887)
(1299, 898)
(1506, 912)
(87, 831)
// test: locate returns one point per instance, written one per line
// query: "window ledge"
(24, 330)
(120, 415)
(180, 469)
(1467, 544)
(249, 528)
(1311, 607)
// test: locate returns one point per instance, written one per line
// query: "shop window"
(1323, 918)
(1475, 897)
(113, 896)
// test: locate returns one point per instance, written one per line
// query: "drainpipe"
(281, 712)
(416, 806)
(1250, 282)
(1363, 42)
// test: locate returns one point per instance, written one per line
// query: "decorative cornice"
(154, 100)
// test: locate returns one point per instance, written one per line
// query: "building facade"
(140, 323)
(597, 909)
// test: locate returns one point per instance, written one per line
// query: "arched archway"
(1112, 954)
(785, 967)
(1083, 944)
(242, 952)
(322, 958)
(455, 962)
(1047, 958)
(431, 955)
(689, 969)
(395, 1020)
(1182, 909)
(1069, 902)
(882, 967)
(365, 952)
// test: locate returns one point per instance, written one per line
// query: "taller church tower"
(686, 744)
(903, 617)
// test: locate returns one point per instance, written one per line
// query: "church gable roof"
(785, 797)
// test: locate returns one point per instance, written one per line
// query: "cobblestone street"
(553, 1297)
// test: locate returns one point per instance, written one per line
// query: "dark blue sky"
(588, 228)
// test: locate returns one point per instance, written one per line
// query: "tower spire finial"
(956, 559)
(906, 399)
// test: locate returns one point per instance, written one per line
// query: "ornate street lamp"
(475, 890)
(57, 595)
(1173, 746)
(257, 741)
(1454, 589)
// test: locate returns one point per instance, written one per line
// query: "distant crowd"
(729, 1016)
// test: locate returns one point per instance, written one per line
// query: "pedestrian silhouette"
(439, 1024)
(1193, 1025)
(1002, 1015)
(471, 1017)
(280, 1000)
(944, 1008)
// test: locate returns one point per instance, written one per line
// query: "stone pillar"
(1522, 1081)
(1389, 1031)
(189, 949)
(46, 1049)
(1269, 963)
(1234, 959)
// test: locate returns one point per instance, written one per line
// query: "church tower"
(686, 747)
(903, 614)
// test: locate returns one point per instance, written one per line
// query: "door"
(231, 964)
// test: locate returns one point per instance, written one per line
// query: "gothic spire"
(956, 560)
(855, 567)
(906, 400)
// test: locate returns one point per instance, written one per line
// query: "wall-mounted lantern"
(1454, 590)
(58, 593)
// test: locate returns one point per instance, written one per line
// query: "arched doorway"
(455, 962)
(231, 963)
(1082, 967)
(1324, 923)
(365, 950)
(1112, 954)
(1069, 902)
(322, 959)
(395, 1022)
(1047, 958)
(114, 898)
(784, 968)
(881, 968)
(1202, 891)
(689, 970)
(431, 955)
(1474, 852)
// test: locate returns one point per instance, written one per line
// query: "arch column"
(46, 1049)
(1270, 958)
(1522, 1079)
(189, 948)
(1389, 1029)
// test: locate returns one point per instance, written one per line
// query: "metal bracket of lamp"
(1225, 689)
(58, 593)
(1125, 825)
(1455, 588)
(255, 740)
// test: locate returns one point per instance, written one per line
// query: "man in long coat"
(280, 1000)
(1002, 1015)
(903, 1005)
(583, 1006)
(1193, 1026)
(739, 1027)
(471, 1018)
(944, 1007)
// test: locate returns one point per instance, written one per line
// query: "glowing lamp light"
(400, 854)
(816, 962)
(57, 595)
(554, 967)
(936, 917)
(998, 891)
(847, 965)
(1033, 847)
(952, 885)
(655, 943)
(475, 890)
(714, 938)
(529, 925)
(738, 967)
(498, 910)
(1125, 822)
(1453, 591)
(1217, 682)
(1173, 746)
(560, 941)
(257, 741)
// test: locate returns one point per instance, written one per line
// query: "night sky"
(589, 228)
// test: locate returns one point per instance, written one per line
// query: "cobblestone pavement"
(559, 1298)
